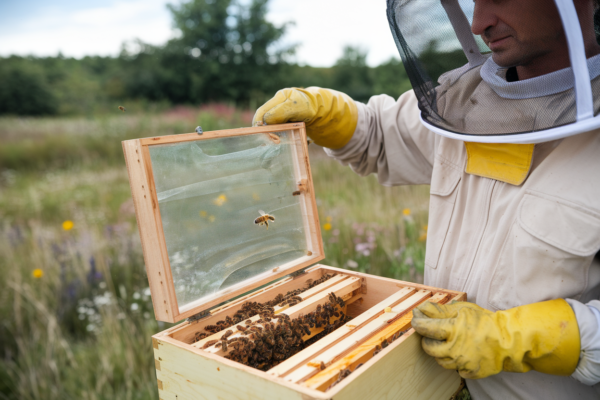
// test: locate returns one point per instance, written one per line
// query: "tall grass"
(76, 316)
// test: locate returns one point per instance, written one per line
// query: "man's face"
(519, 31)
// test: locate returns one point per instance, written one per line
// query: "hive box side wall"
(183, 374)
(404, 371)
(400, 371)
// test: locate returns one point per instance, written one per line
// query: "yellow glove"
(330, 116)
(479, 343)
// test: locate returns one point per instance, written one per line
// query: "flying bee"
(122, 108)
(264, 219)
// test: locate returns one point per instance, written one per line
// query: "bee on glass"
(264, 219)
(122, 108)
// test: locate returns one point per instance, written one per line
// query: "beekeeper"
(510, 144)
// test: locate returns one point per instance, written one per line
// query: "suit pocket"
(546, 254)
(443, 190)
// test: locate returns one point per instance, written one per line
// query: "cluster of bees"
(252, 308)
(276, 337)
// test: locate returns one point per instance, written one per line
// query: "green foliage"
(24, 89)
(227, 51)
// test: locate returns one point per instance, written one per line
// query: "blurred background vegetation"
(226, 52)
(76, 318)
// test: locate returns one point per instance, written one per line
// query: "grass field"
(75, 310)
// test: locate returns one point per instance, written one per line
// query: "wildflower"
(351, 264)
(327, 226)
(68, 225)
(336, 232)
(211, 218)
(328, 219)
(406, 212)
(219, 201)
(423, 236)
(203, 214)
(37, 273)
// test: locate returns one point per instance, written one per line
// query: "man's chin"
(504, 60)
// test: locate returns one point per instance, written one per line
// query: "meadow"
(75, 309)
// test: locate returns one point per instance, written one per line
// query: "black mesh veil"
(459, 86)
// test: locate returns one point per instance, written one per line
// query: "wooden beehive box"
(199, 199)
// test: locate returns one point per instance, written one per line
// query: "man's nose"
(484, 16)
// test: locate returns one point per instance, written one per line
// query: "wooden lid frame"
(158, 268)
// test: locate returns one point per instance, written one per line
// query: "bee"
(122, 108)
(227, 334)
(241, 328)
(264, 219)
(306, 329)
(296, 193)
(209, 343)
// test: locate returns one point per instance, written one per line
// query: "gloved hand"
(330, 116)
(479, 343)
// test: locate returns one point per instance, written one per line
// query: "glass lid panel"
(213, 195)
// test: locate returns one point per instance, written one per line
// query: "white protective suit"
(504, 245)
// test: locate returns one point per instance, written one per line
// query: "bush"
(24, 89)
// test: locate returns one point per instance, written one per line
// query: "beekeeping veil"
(463, 94)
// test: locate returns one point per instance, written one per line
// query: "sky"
(93, 27)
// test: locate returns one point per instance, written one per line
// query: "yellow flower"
(211, 218)
(423, 237)
(255, 196)
(203, 214)
(328, 219)
(220, 200)
(406, 212)
(327, 226)
(425, 227)
(68, 225)
(37, 273)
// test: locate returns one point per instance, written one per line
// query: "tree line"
(227, 51)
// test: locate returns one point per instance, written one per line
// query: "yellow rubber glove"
(330, 116)
(479, 343)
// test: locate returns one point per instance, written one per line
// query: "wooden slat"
(385, 287)
(364, 352)
(317, 348)
(339, 349)
(304, 295)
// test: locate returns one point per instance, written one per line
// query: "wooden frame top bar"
(141, 179)
(186, 137)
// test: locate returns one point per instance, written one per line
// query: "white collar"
(544, 85)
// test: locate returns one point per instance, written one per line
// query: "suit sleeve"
(588, 320)
(390, 141)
